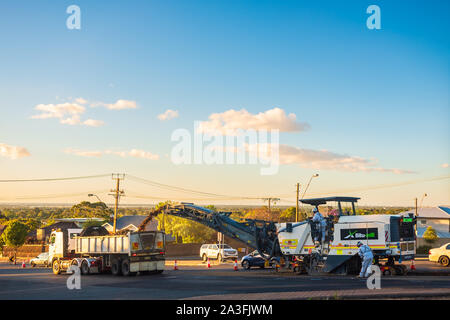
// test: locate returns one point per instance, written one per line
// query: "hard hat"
(359, 244)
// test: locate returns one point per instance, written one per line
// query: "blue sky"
(380, 94)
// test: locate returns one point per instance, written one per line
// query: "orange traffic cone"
(175, 266)
(23, 264)
(235, 265)
(413, 267)
(209, 264)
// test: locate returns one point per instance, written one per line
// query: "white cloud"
(83, 153)
(135, 153)
(323, 159)
(118, 105)
(315, 159)
(59, 111)
(445, 165)
(230, 121)
(168, 114)
(93, 123)
(67, 113)
(81, 101)
(143, 154)
(13, 152)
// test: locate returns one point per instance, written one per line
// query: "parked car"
(441, 255)
(40, 260)
(217, 251)
(254, 259)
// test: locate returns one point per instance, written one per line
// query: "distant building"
(79, 221)
(131, 223)
(436, 217)
(42, 235)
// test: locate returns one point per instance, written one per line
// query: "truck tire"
(116, 267)
(204, 257)
(56, 267)
(84, 268)
(126, 268)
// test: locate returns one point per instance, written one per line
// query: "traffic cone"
(235, 265)
(175, 266)
(23, 264)
(413, 267)
(209, 264)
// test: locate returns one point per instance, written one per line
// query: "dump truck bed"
(119, 244)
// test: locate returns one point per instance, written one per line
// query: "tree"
(14, 235)
(189, 231)
(32, 224)
(86, 209)
(430, 235)
(288, 215)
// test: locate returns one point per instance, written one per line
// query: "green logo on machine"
(359, 234)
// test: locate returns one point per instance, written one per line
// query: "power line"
(56, 179)
(51, 196)
(184, 190)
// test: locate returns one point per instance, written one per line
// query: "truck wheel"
(116, 267)
(84, 268)
(126, 268)
(204, 258)
(445, 261)
(56, 267)
(387, 272)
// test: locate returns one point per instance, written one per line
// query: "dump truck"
(121, 254)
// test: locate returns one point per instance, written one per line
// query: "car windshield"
(224, 246)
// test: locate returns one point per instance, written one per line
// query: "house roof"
(440, 212)
(126, 221)
(57, 225)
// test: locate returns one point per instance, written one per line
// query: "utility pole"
(269, 200)
(416, 207)
(116, 193)
(416, 214)
(296, 203)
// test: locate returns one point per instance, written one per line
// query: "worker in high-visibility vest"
(321, 224)
(366, 255)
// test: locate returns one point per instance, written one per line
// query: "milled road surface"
(220, 282)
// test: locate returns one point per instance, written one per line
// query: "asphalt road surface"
(220, 282)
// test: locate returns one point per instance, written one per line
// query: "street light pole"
(309, 182)
(111, 216)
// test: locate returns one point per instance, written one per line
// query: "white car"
(441, 255)
(218, 251)
(40, 260)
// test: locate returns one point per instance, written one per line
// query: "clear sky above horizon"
(106, 98)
